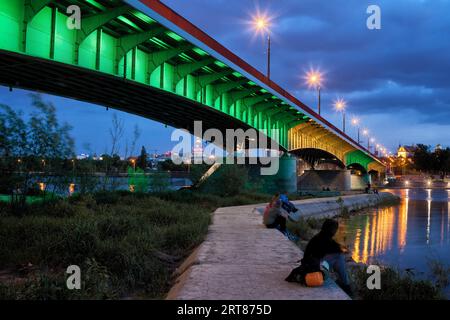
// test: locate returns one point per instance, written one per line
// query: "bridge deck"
(241, 259)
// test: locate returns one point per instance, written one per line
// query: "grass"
(126, 244)
(395, 285)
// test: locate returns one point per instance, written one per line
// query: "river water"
(407, 235)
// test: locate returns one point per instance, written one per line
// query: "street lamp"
(372, 140)
(366, 133)
(314, 80)
(340, 106)
(262, 24)
(355, 122)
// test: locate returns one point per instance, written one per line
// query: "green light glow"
(174, 36)
(143, 17)
(220, 64)
(200, 51)
(160, 43)
(129, 22)
(185, 57)
(95, 4)
(237, 74)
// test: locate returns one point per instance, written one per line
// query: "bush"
(395, 285)
(123, 242)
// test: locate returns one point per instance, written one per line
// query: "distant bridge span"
(141, 57)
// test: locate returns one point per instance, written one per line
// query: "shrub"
(395, 285)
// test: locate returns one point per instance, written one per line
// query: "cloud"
(402, 68)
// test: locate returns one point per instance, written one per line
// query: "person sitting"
(286, 204)
(368, 187)
(322, 247)
(273, 216)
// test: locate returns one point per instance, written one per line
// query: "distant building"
(405, 152)
(82, 156)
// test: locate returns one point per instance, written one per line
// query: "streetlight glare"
(355, 121)
(314, 78)
(261, 23)
(340, 105)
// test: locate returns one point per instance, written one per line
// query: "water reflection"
(405, 236)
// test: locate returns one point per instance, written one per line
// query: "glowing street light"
(340, 106)
(366, 133)
(372, 140)
(314, 79)
(262, 24)
(355, 123)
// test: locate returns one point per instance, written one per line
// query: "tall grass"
(136, 240)
(126, 244)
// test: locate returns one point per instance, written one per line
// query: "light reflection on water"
(403, 236)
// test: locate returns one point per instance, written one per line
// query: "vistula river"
(405, 236)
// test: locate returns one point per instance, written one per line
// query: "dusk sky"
(396, 80)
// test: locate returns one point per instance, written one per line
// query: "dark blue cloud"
(401, 70)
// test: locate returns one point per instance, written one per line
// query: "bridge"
(141, 57)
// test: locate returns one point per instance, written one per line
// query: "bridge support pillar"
(317, 180)
(286, 177)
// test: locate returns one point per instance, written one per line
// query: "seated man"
(273, 215)
(322, 247)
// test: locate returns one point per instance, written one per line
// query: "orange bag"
(314, 279)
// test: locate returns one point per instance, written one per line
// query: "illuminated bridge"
(141, 57)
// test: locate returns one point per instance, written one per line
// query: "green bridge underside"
(117, 40)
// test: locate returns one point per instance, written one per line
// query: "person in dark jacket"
(322, 247)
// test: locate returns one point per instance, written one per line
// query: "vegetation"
(126, 244)
(395, 285)
(433, 162)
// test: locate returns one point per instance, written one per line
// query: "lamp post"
(262, 25)
(372, 140)
(340, 106)
(366, 133)
(355, 122)
(314, 80)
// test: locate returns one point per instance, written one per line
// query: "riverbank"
(396, 283)
(242, 259)
(127, 244)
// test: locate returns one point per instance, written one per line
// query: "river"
(407, 235)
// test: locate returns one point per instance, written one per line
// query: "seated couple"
(277, 211)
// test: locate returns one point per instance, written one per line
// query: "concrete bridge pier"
(286, 177)
(340, 180)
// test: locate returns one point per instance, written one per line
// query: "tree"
(142, 159)
(136, 136)
(47, 138)
(116, 132)
(13, 133)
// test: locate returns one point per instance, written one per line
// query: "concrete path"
(241, 259)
